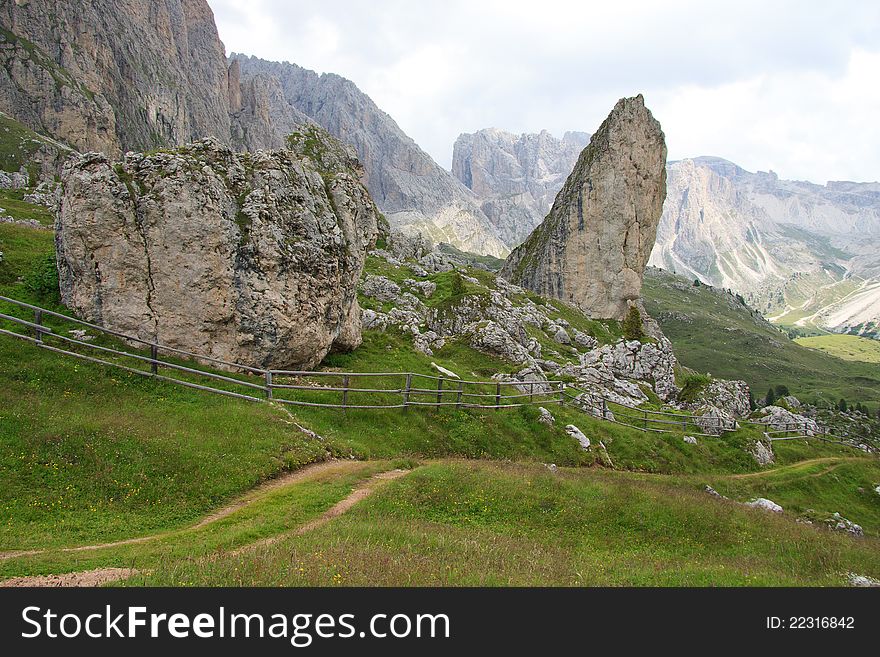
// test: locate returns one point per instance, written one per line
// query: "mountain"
(515, 176)
(805, 255)
(114, 76)
(141, 74)
(411, 189)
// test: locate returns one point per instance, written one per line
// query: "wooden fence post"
(346, 381)
(406, 390)
(562, 394)
(497, 395)
(460, 391)
(645, 418)
(604, 409)
(269, 385)
(154, 359)
(38, 320)
(439, 391)
(531, 391)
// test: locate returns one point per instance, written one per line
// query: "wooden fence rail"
(403, 390)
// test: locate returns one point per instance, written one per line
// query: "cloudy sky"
(788, 86)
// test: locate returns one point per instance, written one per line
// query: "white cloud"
(785, 85)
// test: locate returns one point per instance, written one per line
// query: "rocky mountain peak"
(515, 176)
(592, 248)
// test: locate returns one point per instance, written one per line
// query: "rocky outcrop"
(250, 258)
(781, 419)
(414, 192)
(732, 397)
(113, 76)
(631, 359)
(592, 248)
(516, 177)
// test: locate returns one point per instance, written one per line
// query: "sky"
(792, 87)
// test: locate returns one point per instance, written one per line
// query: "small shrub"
(691, 387)
(632, 325)
(42, 280)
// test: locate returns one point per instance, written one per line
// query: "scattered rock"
(578, 435)
(862, 580)
(781, 419)
(833, 521)
(81, 334)
(764, 503)
(690, 440)
(792, 401)
(551, 467)
(732, 397)
(380, 288)
(443, 370)
(714, 421)
(715, 493)
(762, 452)
(546, 416)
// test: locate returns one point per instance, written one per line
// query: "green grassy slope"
(93, 454)
(712, 331)
(491, 524)
(847, 347)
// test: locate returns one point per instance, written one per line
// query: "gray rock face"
(765, 504)
(413, 191)
(545, 417)
(730, 396)
(592, 248)
(516, 177)
(578, 435)
(762, 452)
(776, 242)
(112, 76)
(631, 359)
(247, 258)
(780, 419)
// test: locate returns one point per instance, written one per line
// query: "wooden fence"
(349, 390)
(325, 389)
(644, 419)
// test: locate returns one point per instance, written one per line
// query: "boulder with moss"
(251, 258)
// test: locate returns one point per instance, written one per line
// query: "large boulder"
(251, 258)
(592, 248)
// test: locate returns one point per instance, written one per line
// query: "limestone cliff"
(592, 248)
(114, 76)
(516, 177)
(251, 258)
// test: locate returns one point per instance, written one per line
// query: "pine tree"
(781, 391)
(770, 399)
(841, 406)
(632, 325)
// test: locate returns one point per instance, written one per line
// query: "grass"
(834, 484)
(91, 454)
(711, 331)
(11, 200)
(477, 524)
(847, 347)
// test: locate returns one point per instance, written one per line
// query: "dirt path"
(357, 495)
(835, 461)
(254, 494)
(86, 578)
